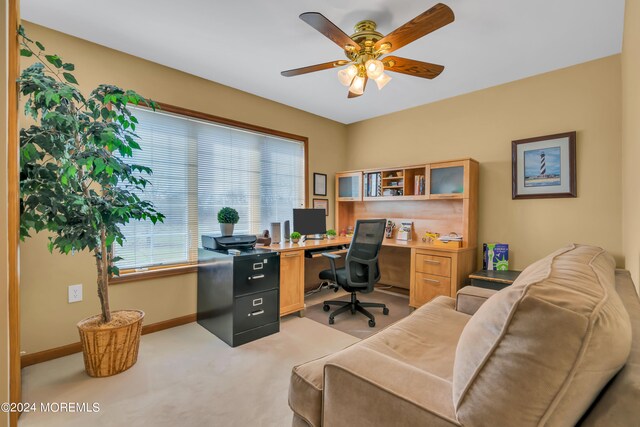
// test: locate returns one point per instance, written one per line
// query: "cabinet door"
(291, 282)
(349, 186)
(448, 180)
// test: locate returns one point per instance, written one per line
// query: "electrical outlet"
(75, 293)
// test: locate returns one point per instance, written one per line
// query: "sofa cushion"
(540, 351)
(618, 404)
(426, 340)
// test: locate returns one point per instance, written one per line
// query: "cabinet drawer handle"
(288, 255)
(258, 266)
(256, 313)
(257, 276)
(430, 261)
(257, 301)
(430, 280)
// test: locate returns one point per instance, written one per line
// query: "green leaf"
(68, 67)
(25, 52)
(40, 45)
(55, 60)
(70, 78)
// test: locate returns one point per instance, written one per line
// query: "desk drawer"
(429, 286)
(432, 264)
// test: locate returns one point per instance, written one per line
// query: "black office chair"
(360, 272)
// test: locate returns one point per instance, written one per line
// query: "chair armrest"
(332, 261)
(365, 387)
(470, 298)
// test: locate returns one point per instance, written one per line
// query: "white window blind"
(200, 167)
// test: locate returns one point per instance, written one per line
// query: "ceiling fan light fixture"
(374, 68)
(346, 75)
(382, 80)
(357, 87)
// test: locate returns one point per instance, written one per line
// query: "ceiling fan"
(365, 49)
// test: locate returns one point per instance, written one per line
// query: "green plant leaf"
(68, 67)
(54, 60)
(40, 45)
(70, 78)
(25, 52)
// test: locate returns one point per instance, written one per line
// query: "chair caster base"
(372, 324)
(331, 321)
(326, 307)
(385, 311)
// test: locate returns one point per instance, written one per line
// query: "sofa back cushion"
(538, 352)
(618, 405)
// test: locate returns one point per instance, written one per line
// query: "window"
(199, 167)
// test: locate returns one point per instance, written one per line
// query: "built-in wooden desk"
(433, 270)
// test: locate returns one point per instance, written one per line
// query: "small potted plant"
(227, 217)
(331, 234)
(295, 237)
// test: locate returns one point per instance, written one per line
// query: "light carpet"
(185, 377)
(358, 324)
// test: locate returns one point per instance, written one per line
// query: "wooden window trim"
(133, 275)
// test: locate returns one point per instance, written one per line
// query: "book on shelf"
(418, 185)
(373, 185)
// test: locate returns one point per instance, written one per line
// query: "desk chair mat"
(356, 324)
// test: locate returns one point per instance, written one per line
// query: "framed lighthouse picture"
(544, 167)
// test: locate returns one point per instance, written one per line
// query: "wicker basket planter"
(113, 348)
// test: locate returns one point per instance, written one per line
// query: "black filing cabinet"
(238, 295)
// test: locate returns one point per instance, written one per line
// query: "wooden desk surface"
(316, 244)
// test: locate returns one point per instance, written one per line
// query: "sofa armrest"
(365, 387)
(470, 298)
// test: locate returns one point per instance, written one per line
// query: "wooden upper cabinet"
(452, 180)
(349, 186)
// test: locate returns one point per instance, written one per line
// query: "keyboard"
(315, 253)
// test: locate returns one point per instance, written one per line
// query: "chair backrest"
(361, 262)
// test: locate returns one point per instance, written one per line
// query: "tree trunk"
(102, 263)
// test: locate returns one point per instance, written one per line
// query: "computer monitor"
(310, 222)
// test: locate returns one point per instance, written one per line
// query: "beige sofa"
(547, 350)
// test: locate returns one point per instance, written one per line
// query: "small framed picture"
(319, 184)
(321, 204)
(544, 167)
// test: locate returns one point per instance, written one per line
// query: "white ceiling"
(246, 43)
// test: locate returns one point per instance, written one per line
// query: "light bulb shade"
(346, 75)
(374, 68)
(357, 87)
(382, 80)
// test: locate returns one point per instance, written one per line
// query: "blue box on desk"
(495, 256)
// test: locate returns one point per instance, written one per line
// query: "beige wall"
(48, 320)
(631, 139)
(4, 264)
(481, 125)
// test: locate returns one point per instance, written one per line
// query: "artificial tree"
(74, 180)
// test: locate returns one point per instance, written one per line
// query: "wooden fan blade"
(312, 68)
(436, 17)
(412, 67)
(329, 30)
(355, 95)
